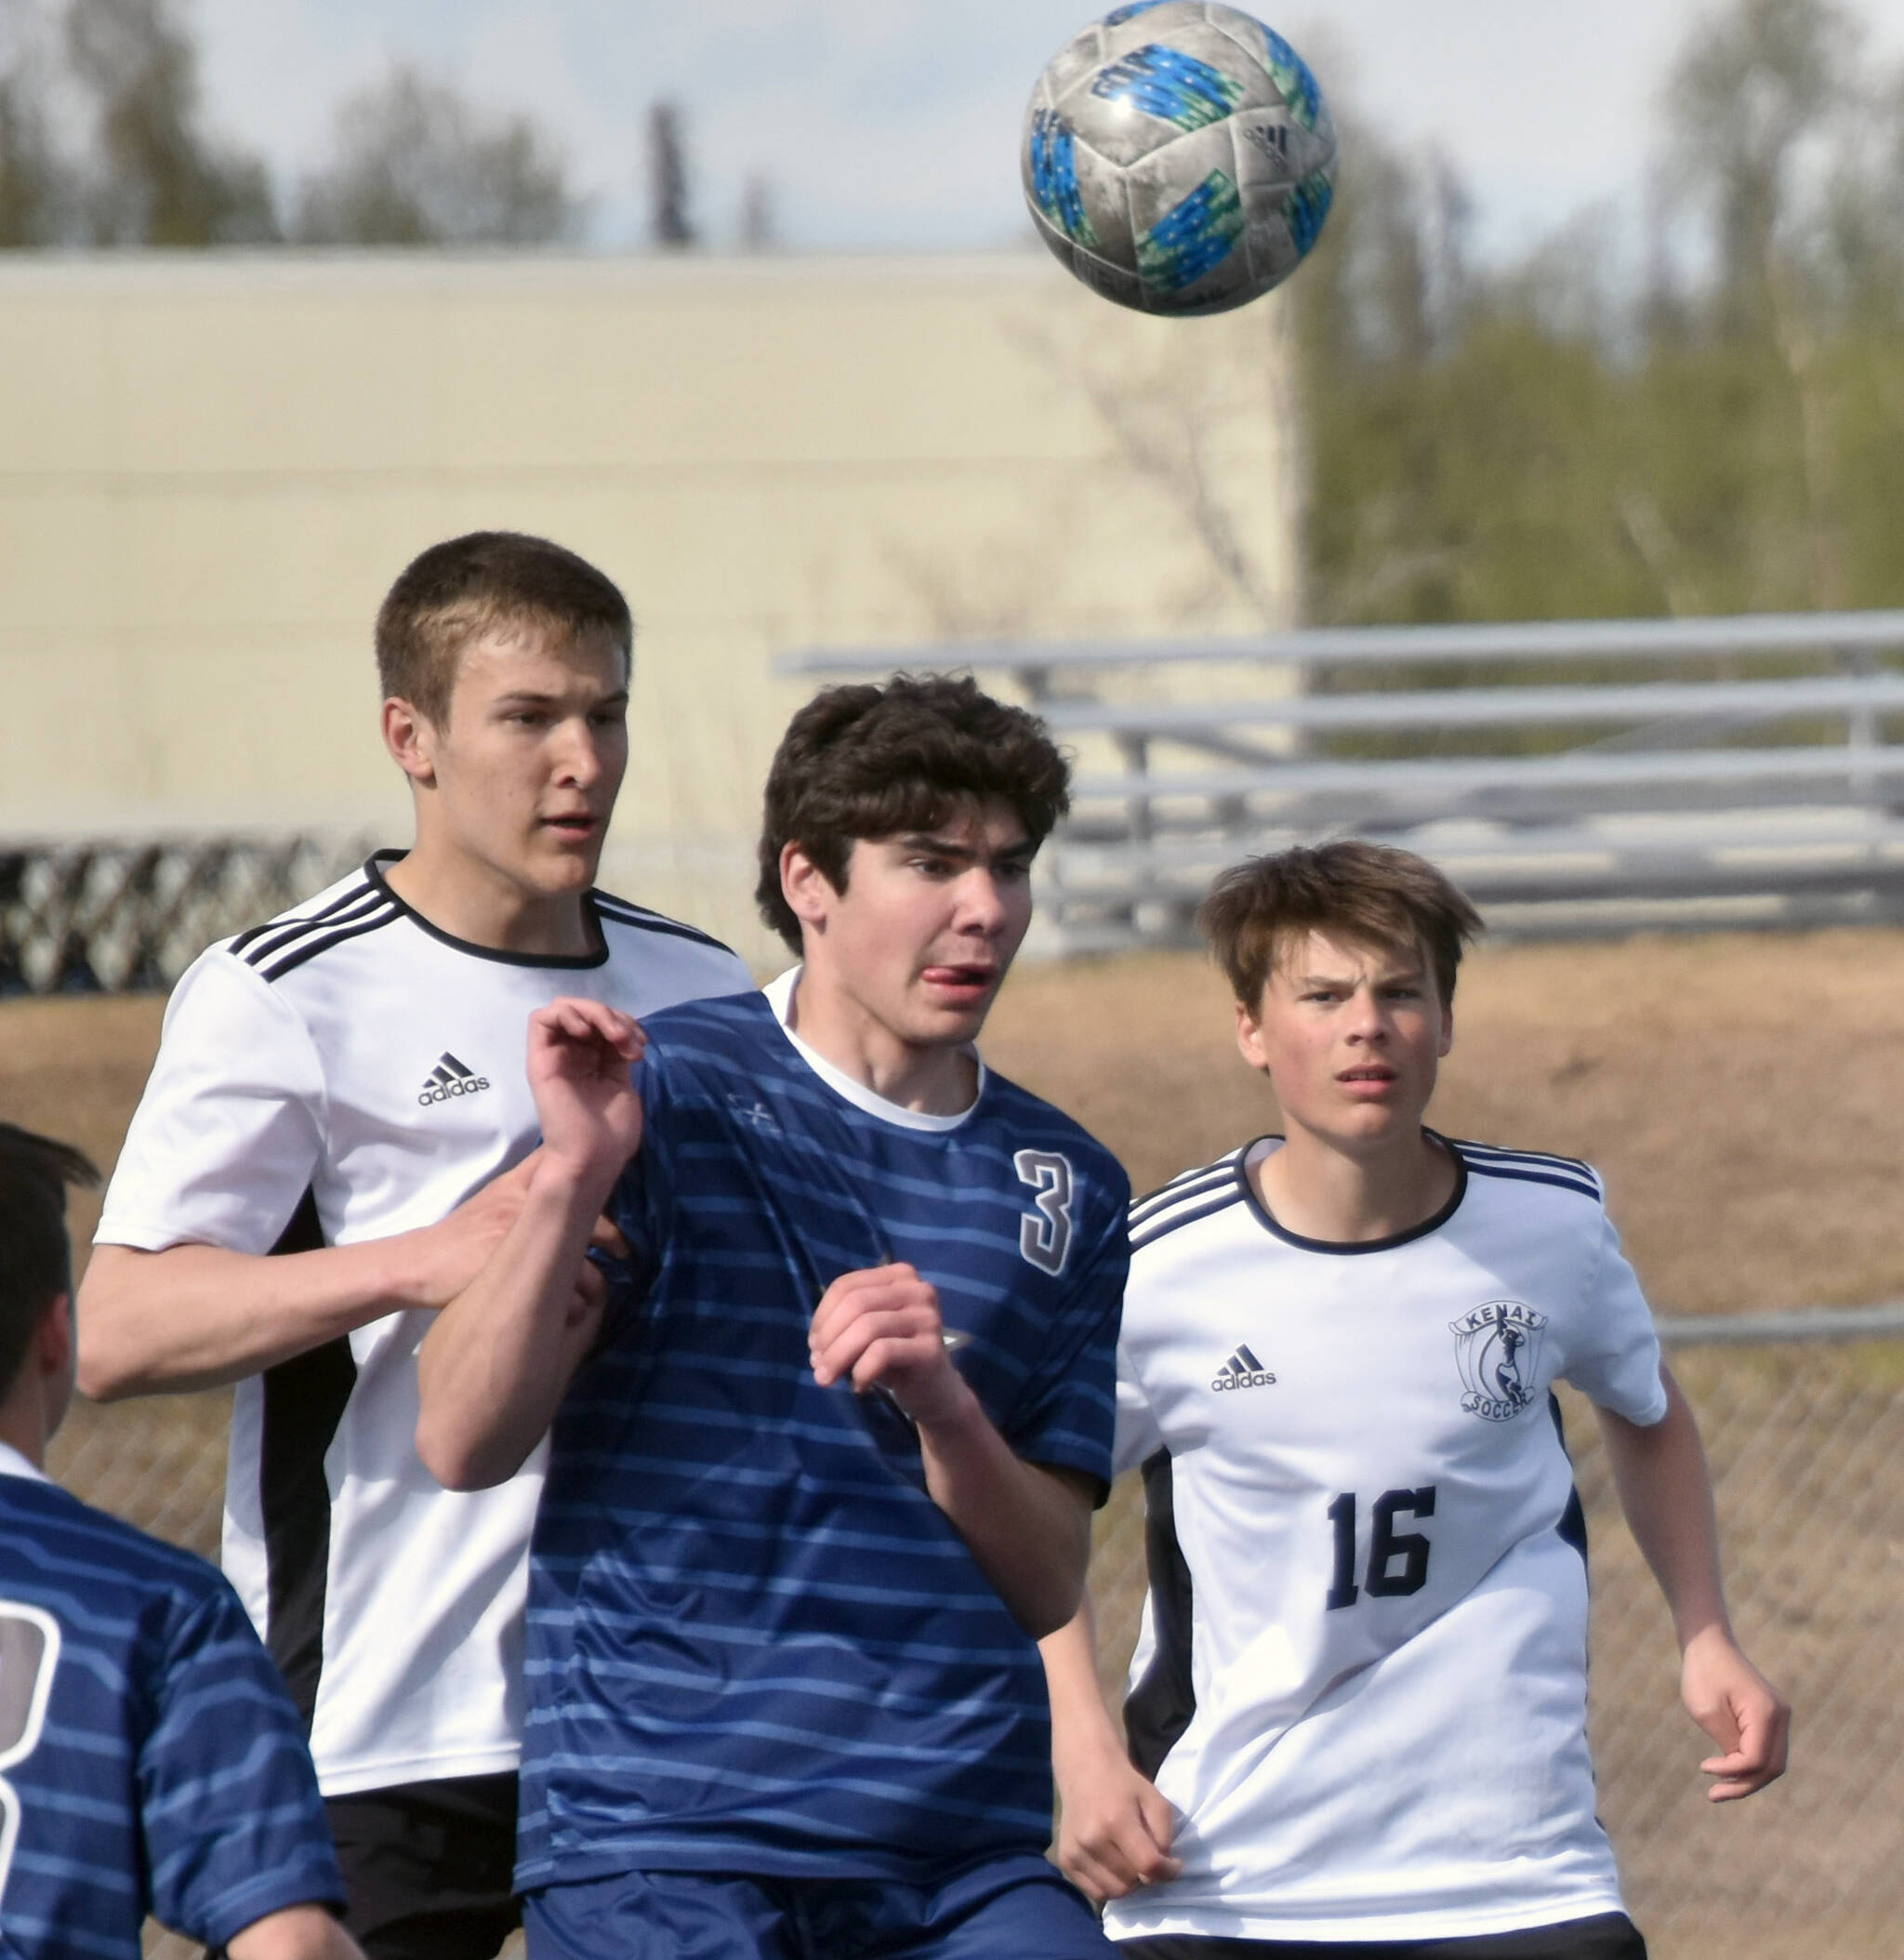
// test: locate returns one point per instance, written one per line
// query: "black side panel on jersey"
(304, 1400)
(1573, 1520)
(1157, 1710)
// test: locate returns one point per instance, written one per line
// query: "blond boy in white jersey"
(1356, 1719)
(344, 1086)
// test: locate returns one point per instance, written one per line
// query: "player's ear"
(1447, 1029)
(809, 892)
(410, 736)
(1249, 1038)
(53, 1359)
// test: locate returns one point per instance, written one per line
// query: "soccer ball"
(1179, 157)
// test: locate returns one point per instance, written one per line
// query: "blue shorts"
(1005, 1909)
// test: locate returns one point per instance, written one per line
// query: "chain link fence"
(93, 915)
(1806, 1440)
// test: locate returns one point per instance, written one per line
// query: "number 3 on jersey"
(1044, 1236)
(1385, 1580)
(29, 1653)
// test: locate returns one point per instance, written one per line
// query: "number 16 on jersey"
(1397, 1560)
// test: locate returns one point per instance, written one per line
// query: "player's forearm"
(1028, 1529)
(1083, 1730)
(495, 1365)
(300, 1932)
(1667, 1495)
(199, 1315)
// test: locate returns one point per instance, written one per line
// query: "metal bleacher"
(1577, 776)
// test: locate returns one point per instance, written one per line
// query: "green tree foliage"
(157, 178)
(416, 164)
(1537, 443)
(102, 141)
(37, 191)
(1752, 88)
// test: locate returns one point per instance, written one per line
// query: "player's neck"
(931, 1080)
(23, 1420)
(475, 902)
(1317, 1190)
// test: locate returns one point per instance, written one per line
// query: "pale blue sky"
(888, 123)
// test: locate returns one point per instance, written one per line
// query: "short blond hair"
(457, 592)
(1373, 894)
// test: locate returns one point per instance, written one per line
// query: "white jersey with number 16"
(1361, 1679)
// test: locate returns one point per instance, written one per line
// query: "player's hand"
(451, 1253)
(1740, 1709)
(880, 1329)
(580, 1056)
(1115, 1829)
(591, 1290)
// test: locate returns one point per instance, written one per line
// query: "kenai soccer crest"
(1497, 1348)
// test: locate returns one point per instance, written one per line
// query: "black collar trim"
(1351, 1248)
(373, 871)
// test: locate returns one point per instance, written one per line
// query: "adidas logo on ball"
(449, 1079)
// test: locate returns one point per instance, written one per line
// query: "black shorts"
(1607, 1935)
(430, 1868)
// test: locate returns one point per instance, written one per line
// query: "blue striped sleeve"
(234, 1828)
(1067, 1414)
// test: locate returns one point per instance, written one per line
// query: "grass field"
(1743, 1096)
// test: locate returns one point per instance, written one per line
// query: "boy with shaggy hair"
(154, 1762)
(824, 1470)
(1356, 1714)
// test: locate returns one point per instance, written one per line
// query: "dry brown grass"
(1742, 1095)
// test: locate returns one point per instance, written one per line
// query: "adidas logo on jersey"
(1243, 1371)
(448, 1080)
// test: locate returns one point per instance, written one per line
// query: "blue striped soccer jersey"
(344, 1073)
(755, 1644)
(1361, 1678)
(150, 1758)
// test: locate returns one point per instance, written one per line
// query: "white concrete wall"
(212, 466)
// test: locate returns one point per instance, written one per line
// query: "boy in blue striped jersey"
(150, 1758)
(823, 1472)
(1356, 1722)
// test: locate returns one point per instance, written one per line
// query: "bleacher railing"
(1575, 775)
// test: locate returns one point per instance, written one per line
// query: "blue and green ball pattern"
(1179, 156)
(1172, 86)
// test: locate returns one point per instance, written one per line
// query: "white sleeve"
(1138, 1439)
(231, 1125)
(1614, 1358)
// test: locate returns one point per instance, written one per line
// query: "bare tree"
(1752, 88)
(414, 163)
(159, 179)
(759, 231)
(38, 191)
(670, 223)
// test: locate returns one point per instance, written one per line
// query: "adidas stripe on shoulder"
(1193, 1195)
(285, 944)
(1535, 1167)
(618, 911)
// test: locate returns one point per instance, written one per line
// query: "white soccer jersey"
(342, 1074)
(1361, 1679)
